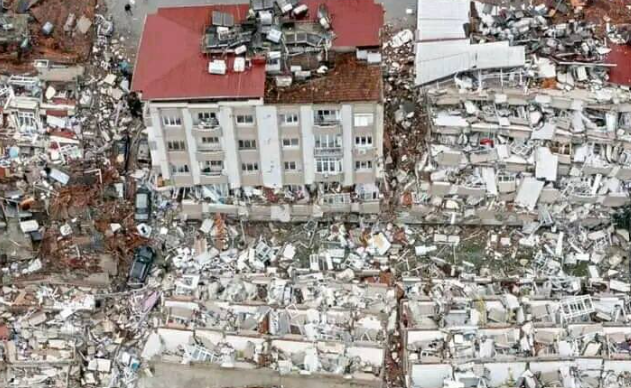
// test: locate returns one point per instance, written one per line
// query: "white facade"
(246, 143)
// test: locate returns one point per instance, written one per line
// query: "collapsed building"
(271, 110)
(524, 128)
(261, 324)
(520, 332)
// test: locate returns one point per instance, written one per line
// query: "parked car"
(143, 261)
(142, 204)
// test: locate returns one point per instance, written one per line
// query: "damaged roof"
(349, 80)
(619, 56)
(170, 63)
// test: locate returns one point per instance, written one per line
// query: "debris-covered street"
(315, 193)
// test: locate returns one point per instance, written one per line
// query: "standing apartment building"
(272, 109)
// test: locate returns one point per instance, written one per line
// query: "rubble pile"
(500, 262)
(404, 123)
(545, 332)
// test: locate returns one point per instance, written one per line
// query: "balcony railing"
(209, 148)
(326, 121)
(327, 151)
(209, 124)
(212, 171)
(336, 199)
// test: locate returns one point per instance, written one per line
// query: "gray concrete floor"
(129, 27)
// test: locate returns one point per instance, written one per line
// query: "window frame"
(287, 166)
(284, 116)
(246, 144)
(291, 142)
(363, 165)
(333, 165)
(245, 123)
(249, 168)
(331, 141)
(180, 169)
(181, 146)
(367, 141)
(208, 164)
(173, 120)
(369, 122)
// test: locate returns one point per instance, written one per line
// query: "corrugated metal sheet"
(442, 19)
(437, 60)
(443, 48)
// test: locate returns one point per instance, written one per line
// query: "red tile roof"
(349, 80)
(170, 64)
(356, 23)
(620, 55)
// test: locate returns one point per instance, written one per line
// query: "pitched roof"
(356, 23)
(349, 80)
(170, 64)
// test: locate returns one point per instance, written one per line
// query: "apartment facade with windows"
(319, 139)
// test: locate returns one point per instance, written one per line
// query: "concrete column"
(269, 146)
(378, 143)
(155, 134)
(346, 116)
(191, 145)
(308, 143)
(232, 161)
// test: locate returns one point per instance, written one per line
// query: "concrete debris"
(494, 252)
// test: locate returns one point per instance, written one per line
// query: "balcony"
(207, 127)
(212, 171)
(326, 120)
(328, 151)
(208, 148)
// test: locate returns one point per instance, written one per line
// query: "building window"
(363, 119)
(171, 120)
(176, 145)
(291, 166)
(211, 167)
(210, 140)
(207, 117)
(249, 168)
(245, 120)
(327, 116)
(291, 142)
(328, 141)
(363, 165)
(289, 119)
(26, 119)
(247, 144)
(179, 169)
(363, 141)
(328, 165)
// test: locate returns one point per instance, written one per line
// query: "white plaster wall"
(159, 155)
(430, 375)
(187, 121)
(500, 372)
(308, 143)
(232, 162)
(346, 114)
(269, 146)
(172, 339)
